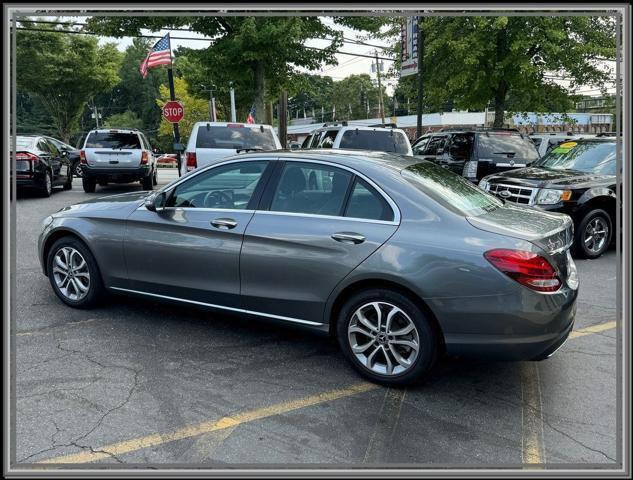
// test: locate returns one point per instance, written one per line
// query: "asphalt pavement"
(137, 381)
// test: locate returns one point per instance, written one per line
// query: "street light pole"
(232, 92)
(381, 105)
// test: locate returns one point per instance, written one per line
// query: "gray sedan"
(398, 258)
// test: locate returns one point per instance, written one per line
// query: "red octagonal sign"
(173, 111)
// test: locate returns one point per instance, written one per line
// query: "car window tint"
(311, 188)
(113, 140)
(419, 147)
(327, 141)
(42, 145)
(53, 148)
(434, 144)
(461, 146)
(226, 186)
(234, 137)
(366, 202)
(377, 140)
(23, 142)
(506, 145)
(581, 156)
(306, 141)
(315, 139)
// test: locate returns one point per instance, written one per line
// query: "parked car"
(40, 166)
(166, 159)
(72, 154)
(117, 155)
(577, 178)
(213, 141)
(545, 142)
(398, 258)
(354, 137)
(475, 153)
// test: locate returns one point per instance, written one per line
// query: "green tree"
(196, 110)
(64, 71)
(514, 61)
(127, 119)
(259, 53)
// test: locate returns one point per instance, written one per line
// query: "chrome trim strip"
(329, 217)
(222, 307)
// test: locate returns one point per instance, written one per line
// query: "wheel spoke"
(399, 358)
(406, 343)
(376, 306)
(392, 313)
(83, 288)
(364, 320)
(371, 356)
(389, 365)
(60, 263)
(403, 331)
(357, 329)
(362, 348)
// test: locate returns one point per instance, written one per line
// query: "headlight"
(483, 184)
(549, 196)
(47, 221)
(470, 169)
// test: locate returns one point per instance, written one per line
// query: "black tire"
(95, 290)
(155, 177)
(103, 184)
(89, 185)
(427, 338)
(77, 171)
(148, 182)
(592, 249)
(46, 188)
(68, 185)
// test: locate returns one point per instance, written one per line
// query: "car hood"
(113, 206)
(543, 177)
(549, 230)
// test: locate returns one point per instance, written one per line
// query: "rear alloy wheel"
(593, 235)
(46, 189)
(387, 337)
(68, 185)
(73, 273)
(89, 185)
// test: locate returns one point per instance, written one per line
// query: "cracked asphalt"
(125, 375)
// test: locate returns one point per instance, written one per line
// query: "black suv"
(475, 153)
(577, 178)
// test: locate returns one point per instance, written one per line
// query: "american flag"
(160, 54)
(251, 118)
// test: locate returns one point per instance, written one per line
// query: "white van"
(213, 141)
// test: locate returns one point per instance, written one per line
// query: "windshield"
(234, 138)
(113, 140)
(589, 157)
(380, 140)
(450, 189)
(506, 145)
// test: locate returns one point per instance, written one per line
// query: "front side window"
(113, 140)
(419, 147)
(436, 143)
(451, 190)
(227, 186)
(311, 188)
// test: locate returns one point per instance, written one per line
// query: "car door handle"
(348, 237)
(224, 223)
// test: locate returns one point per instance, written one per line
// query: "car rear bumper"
(115, 174)
(28, 180)
(534, 333)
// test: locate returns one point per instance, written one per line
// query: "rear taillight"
(192, 162)
(144, 158)
(527, 268)
(31, 157)
(82, 157)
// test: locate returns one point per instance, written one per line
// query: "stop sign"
(173, 111)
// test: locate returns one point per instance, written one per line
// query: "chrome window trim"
(387, 198)
(327, 217)
(222, 307)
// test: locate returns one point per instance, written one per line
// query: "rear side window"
(434, 144)
(461, 146)
(113, 140)
(365, 202)
(380, 140)
(23, 142)
(505, 145)
(327, 141)
(235, 137)
(306, 142)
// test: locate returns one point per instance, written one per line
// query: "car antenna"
(208, 126)
(261, 128)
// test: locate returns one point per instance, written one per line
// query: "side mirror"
(156, 202)
(64, 153)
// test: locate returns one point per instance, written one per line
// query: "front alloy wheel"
(593, 235)
(71, 274)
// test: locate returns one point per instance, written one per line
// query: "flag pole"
(172, 97)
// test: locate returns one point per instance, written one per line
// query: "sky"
(347, 65)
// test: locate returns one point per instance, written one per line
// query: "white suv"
(356, 137)
(212, 141)
(118, 155)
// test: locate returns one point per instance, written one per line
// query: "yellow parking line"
(133, 445)
(601, 327)
(532, 451)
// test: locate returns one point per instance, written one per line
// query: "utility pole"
(212, 113)
(380, 102)
(95, 113)
(420, 81)
(283, 119)
(232, 92)
(172, 97)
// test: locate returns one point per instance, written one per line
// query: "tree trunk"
(500, 103)
(260, 90)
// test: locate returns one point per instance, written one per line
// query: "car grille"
(516, 194)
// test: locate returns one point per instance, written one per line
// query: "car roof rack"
(335, 124)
